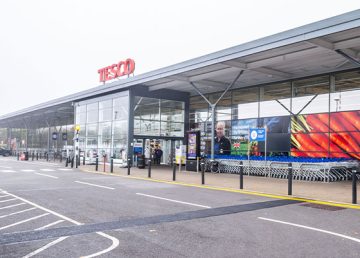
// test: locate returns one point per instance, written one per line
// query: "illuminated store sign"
(122, 68)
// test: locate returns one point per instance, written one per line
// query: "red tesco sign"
(117, 70)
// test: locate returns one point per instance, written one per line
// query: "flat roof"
(325, 46)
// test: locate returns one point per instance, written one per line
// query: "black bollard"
(149, 169)
(61, 157)
(112, 165)
(76, 161)
(47, 156)
(202, 172)
(72, 162)
(174, 170)
(128, 167)
(17, 156)
(290, 176)
(97, 163)
(37, 156)
(33, 156)
(354, 187)
(66, 161)
(84, 159)
(241, 175)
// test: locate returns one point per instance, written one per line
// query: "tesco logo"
(122, 68)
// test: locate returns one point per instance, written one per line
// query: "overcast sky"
(50, 49)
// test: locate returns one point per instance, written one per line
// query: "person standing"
(222, 144)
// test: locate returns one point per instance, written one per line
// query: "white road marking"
(18, 212)
(45, 247)
(311, 228)
(115, 240)
(46, 169)
(4, 167)
(14, 205)
(8, 200)
(51, 224)
(113, 246)
(47, 175)
(2, 196)
(106, 187)
(24, 221)
(27, 170)
(171, 200)
(7, 171)
(65, 169)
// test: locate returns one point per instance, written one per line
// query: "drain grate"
(322, 207)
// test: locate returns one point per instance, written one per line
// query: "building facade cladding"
(311, 117)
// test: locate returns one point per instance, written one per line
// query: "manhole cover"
(322, 207)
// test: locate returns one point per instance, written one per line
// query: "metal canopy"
(322, 47)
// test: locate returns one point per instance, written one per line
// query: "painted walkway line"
(101, 186)
(233, 190)
(311, 228)
(47, 175)
(171, 200)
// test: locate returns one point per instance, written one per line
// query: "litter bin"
(141, 161)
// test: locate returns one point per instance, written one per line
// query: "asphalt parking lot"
(47, 210)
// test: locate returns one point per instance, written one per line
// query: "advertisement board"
(193, 146)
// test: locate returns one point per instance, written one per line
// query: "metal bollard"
(17, 156)
(97, 163)
(202, 172)
(128, 166)
(33, 156)
(72, 162)
(112, 165)
(241, 175)
(47, 156)
(76, 161)
(61, 157)
(149, 169)
(354, 186)
(290, 176)
(84, 160)
(66, 161)
(37, 156)
(174, 170)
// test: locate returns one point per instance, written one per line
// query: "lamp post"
(77, 129)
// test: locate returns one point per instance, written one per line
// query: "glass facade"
(158, 117)
(312, 117)
(104, 125)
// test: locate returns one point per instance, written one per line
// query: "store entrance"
(160, 151)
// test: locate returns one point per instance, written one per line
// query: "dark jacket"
(222, 146)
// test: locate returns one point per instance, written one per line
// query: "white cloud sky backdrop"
(49, 49)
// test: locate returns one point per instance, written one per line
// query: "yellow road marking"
(275, 196)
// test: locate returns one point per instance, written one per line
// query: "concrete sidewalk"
(330, 192)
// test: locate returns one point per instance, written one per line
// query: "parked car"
(5, 152)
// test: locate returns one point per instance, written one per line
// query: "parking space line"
(10, 206)
(18, 212)
(85, 183)
(47, 169)
(8, 200)
(311, 228)
(47, 175)
(45, 247)
(113, 239)
(65, 169)
(51, 224)
(113, 246)
(7, 171)
(24, 221)
(27, 170)
(171, 200)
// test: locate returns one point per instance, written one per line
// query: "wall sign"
(122, 68)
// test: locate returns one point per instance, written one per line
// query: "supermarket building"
(302, 84)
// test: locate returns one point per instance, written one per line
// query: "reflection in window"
(311, 95)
